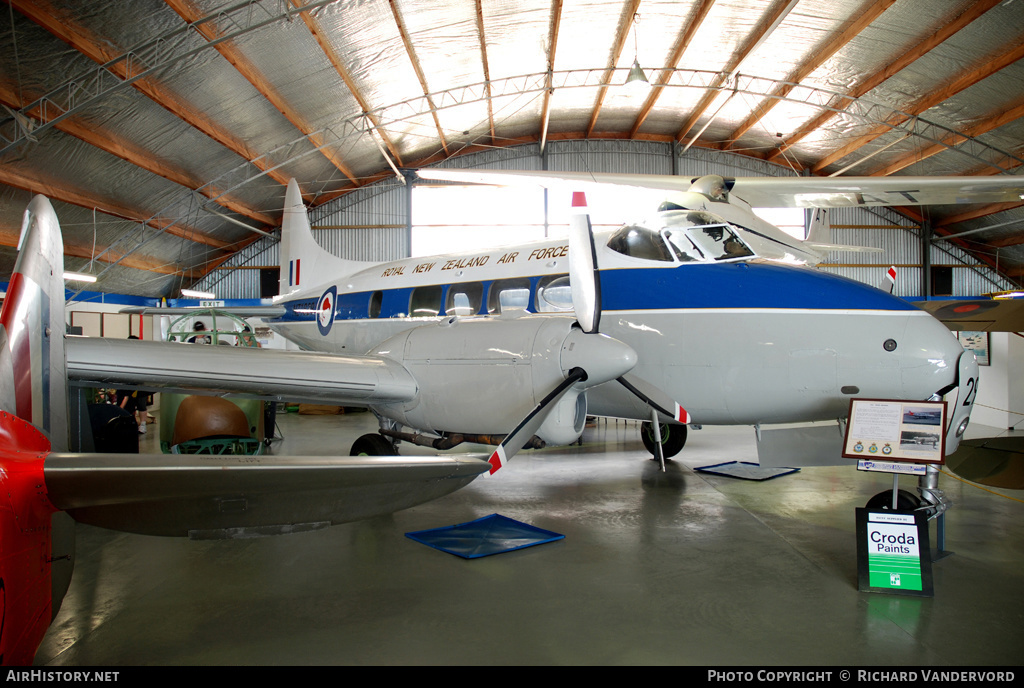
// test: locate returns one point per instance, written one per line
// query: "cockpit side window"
(637, 241)
(720, 242)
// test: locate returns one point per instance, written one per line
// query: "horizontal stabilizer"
(842, 247)
(273, 374)
(205, 496)
(981, 315)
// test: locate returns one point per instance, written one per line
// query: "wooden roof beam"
(487, 69)
(754, 41)
(61, 193)
(187, 11)
(9, 237)
(906, 59)
(993, 122)
(962, 82)
(682, 43)
(119, 147)
(325, 45)
(545, 116)
(411, 52)
(65, 28)
(864, 18)
(626, 23)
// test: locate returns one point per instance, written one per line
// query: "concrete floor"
(673, 568)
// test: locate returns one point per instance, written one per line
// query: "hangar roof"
(165, 130)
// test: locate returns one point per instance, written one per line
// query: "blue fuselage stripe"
(686, 287)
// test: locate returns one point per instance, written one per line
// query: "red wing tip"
(579, 199)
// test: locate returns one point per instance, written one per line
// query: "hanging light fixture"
(195, 294)
(636, 80)
(79, 277)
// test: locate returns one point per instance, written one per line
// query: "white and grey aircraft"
(688, 311)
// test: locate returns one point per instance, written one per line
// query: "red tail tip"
(579, 199)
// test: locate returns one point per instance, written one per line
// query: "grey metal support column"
(409, 175)
(544, 167)
(926, 259)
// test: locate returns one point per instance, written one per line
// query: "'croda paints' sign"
(893, 553)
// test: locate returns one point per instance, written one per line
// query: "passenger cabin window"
(425, 302)
(509, 294)
(637, 241)
(554, 294)
(464, 299)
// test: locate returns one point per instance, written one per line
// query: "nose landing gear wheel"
(673, 437)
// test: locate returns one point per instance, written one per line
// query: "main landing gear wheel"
(905, 501)
(673, 437)
(372, 445)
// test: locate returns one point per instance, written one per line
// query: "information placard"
(896, 430)
(893, 553)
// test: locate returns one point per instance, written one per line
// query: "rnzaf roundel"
(325, 310)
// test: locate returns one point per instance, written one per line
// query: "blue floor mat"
(746, 470)
(492, 534)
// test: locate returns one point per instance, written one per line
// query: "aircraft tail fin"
(32, 364)
(819, 230)
(304, 263)
(889, 280)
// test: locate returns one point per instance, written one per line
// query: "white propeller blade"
(583, 276)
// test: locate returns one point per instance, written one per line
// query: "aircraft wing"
(240, 311)
(302, 376)
(780, 192)
(207, 497)
(983, 315)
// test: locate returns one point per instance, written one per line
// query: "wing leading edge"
(217, 370)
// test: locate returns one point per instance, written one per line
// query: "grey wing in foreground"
(205, 497)
(300, 376)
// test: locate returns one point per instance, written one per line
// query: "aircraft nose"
(930, 356)
(603, 357)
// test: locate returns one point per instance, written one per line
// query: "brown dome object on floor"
(200, 417)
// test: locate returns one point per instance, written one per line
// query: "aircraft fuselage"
(734, 341)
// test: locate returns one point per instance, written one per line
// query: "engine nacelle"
(483, 376)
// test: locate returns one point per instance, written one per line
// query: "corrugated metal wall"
(371, 223)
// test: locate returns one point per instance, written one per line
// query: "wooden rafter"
(60, 192)
(75, 35)
(625, 24)
(190, 13)
(487, 69)
(9, 238)
(993, 122)
(545, 117)
(682, 43)
(864, 17)
(962, 82)
(127, 151)
(903, 61)
(753, 42)
(411, 52)
(323, 40)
